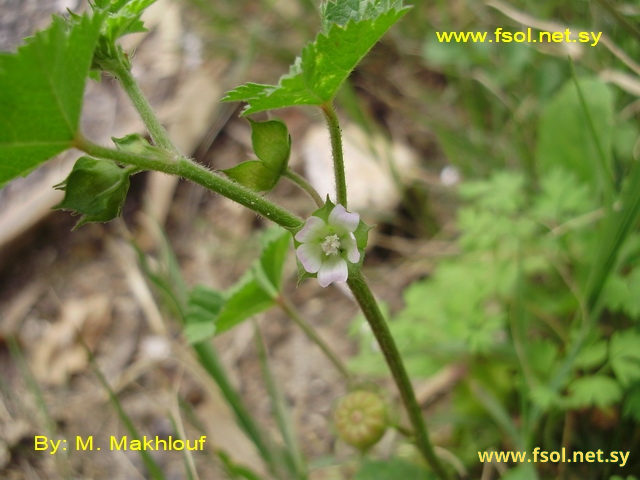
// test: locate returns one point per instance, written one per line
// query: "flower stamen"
(331, 245)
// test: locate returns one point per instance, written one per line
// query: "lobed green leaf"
(41, 90)
(350, 30)
(624, 356)
(596, 390)
(344, 11)
(124, 17)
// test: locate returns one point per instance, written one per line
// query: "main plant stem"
(156, 130)
(369, 307)
(336, 150)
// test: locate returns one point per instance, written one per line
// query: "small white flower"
(326, 247)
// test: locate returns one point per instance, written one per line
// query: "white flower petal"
(333, 269)
(350, 245)
(340, 218)
(314, 228)
(310, 255)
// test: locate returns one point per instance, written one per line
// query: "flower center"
(331, 245)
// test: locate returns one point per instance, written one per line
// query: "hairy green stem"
(156, 129)
(199, 174)
(372, 313)
(310, 332)
(296, 179)
(336, 149)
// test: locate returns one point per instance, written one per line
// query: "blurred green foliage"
(541, 307)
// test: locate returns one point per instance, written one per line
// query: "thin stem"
(197, 173)
(336, 148)
(156, 129)
(626, 24)
(310, 332)
(211, 363)
(292, 454)
(606, 176)
(300, 181)
(149, 461)
(369, 307)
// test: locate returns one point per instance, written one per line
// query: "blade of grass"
(153, 469)
(61, 462)
(178, 426)
(518, 323)
(496, 410)
(208, 358)
(626, 24)
(605, 175)
(234, 471)
(615, 231)
(293, 456)
(284, 303)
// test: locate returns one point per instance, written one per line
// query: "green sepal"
(95, 189)
(272, 145)
(361, 233)
(302, 273)
(138, 145)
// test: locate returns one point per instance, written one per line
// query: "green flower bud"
(361, 418)
(95, 189)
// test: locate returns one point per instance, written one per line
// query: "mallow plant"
(41, 92)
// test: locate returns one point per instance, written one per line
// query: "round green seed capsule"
(361, 418)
